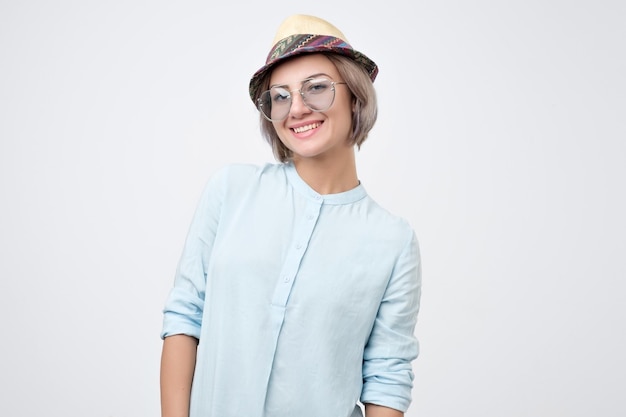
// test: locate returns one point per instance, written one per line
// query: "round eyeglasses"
(318, 94)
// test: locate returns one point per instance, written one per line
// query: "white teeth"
(305, 128)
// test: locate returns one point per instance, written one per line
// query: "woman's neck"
(328, 176)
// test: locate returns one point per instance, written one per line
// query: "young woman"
(296, 294)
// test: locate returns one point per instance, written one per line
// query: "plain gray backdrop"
(501, 138)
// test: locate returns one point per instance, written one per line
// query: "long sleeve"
(185, 304)
(392, 346)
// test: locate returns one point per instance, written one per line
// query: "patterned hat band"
(299, 44)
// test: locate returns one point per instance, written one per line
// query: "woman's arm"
(392, 346)
(177, 365)
(373, 410)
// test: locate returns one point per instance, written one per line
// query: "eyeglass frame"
(299, 90)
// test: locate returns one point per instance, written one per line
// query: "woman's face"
(314, 134)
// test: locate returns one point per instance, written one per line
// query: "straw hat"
(302, 34)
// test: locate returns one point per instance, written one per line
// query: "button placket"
(302, 235)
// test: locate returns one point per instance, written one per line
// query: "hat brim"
(307, 44)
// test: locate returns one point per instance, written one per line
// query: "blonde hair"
(365, 105)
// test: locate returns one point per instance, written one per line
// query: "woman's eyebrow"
(310, 77)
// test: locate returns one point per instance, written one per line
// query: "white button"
(286, 278)
(298, 246)
(309, 216)
(318, 197)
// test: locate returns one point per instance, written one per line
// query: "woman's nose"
(298, 108)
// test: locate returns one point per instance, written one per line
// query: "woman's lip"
(305, 127)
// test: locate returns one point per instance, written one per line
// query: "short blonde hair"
(365, 105)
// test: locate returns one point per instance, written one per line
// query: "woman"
(296, 294)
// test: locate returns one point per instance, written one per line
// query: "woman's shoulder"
(386, 223)
(235, 180)
(386, 215)
(245, 172)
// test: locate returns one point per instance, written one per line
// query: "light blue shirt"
(303, 304)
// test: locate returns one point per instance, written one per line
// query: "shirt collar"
(346, 197)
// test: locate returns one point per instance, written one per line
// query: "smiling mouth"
(306, 127)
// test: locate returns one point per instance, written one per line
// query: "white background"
(501, 138)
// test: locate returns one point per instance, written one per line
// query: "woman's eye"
(317, 87)
(280, 95)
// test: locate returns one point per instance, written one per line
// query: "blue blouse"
(303, 304)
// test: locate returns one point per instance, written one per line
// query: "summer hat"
(302, 34)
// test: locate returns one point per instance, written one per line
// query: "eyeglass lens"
(317, 94)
